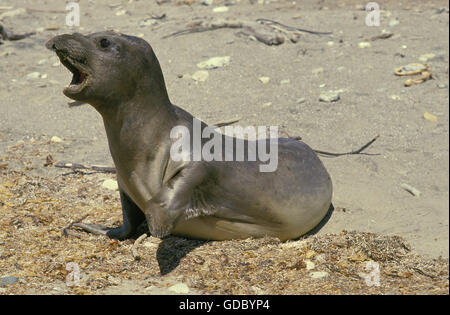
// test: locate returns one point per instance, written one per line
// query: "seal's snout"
(71, 51)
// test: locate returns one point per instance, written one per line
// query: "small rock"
(426, 57)
(340, 69)
(310, 265)
(121, 12)
(430, 117)
(264, 80)
(442, 86)
(8, 280)
(147, 22)
(322, 85)
(267, 104)
(286, 81)
(395, 97)
(319, 274)
(394, 22)
(317, 70)
(33, 75)
(214, 62)
(220, 9)
(110, 184)
(300, 100)
(42, 62)
(364, 45)
(412, 190)
(52, 28)
(200, 76)
(179, 288)
(330, 43)
(207, 2)
(55, 139)
(330, 96)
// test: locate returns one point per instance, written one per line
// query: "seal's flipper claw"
(93, 228)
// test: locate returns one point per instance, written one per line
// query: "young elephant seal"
(121, 78)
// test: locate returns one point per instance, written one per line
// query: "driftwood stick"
(292, 28)
(75, 167)
(359, 151)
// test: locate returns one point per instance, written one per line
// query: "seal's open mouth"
(80, 76)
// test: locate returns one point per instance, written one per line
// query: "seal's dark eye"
(104, 43)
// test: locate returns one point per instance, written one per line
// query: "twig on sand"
(226, 122)
(138, 241)
(75, 167)
(266, 31)
(66, 231)
(359, 151)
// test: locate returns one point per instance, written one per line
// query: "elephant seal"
(120, 76)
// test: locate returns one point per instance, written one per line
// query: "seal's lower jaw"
(79, 82)
(80, 79)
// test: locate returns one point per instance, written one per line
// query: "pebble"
(180, 288)
(442, 86)
(317, 70)
(412, 190)
(330, 96)
(264, 80)
(364, 45)
(55, 139)
(430, 117)
(267, 104)
(220, 9)
(309, 264)
(330, 43)
(33, 75)
(121, 12)
(8, 280)
(207, 2)
(319, 274)
(147, 22)
(394, 22)
(214, 62)
(395, 97)
(426, 57)
(300, 100)
(110, 184)
(200, 76)
(287, 81)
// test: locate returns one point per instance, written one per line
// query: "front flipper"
(175, 199)
(132, 218)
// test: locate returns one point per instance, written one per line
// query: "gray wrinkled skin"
(121, 77)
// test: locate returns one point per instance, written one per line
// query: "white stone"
(180, 288)
(214, 62)
(200, 76)
(55, 139)
(319, 274)
(220, 9)
(264, 80)
(110, 184)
